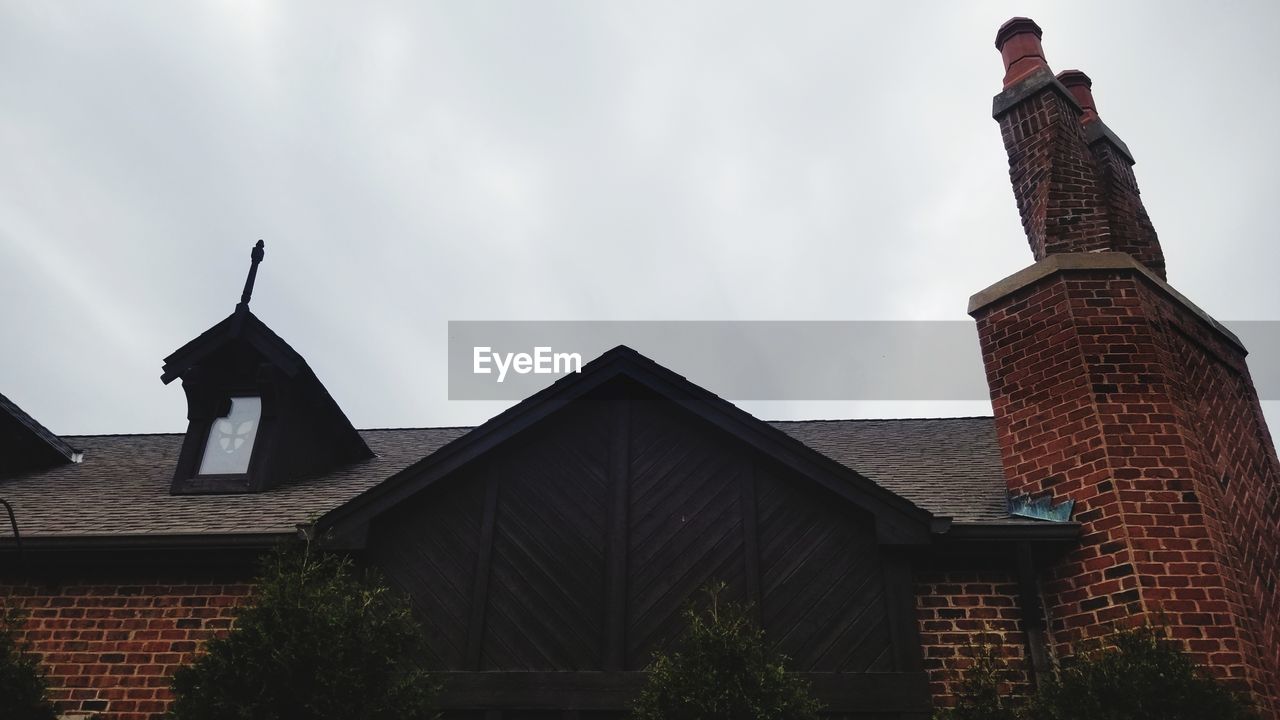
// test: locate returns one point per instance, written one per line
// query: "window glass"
(231, 438)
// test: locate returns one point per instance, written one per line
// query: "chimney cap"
(1074, 77)
(1016, 26)
(1080, 87)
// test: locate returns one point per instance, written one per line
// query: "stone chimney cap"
(1016, 26)
(1081, 89)
(1019, 44)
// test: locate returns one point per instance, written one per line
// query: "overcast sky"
(414, 163)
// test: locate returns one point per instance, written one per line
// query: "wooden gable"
(566, 552)
(26, 444)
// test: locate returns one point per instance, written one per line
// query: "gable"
(576, 544)
(241, 326)
(26, 444)
(898, 521)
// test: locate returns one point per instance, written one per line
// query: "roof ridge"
(471, 427)
(420, 427)
(135, 434)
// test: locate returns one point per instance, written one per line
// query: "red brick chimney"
(1050, 165)
(1112, 389)
(1019, 44)
(1131, 228)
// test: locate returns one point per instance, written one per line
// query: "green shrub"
(318, 642)
(722, 671)
(1139, 675)
(980, 691)
(1134, 674)
(22, 684)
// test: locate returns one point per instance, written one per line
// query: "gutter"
(965, 532)
(116, 543)
(945, 530)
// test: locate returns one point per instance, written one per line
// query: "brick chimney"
(1112, 389)
(1131, 228)
(1050, 165)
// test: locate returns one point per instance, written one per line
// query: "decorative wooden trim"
(751, 538)
(906, 693)
(1033, 621)
(484, 568)
(900, 603)
(615, 621)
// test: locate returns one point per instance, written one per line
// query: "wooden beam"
(751, 538)
(1033, 621)
(900, 602)
(615, 602)
(484, 568)
(569, 691)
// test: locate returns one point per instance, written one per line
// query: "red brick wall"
(1238, 484)
(960, 607)
(110, 645)
(1109, 392)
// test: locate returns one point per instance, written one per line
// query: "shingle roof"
(949, 466)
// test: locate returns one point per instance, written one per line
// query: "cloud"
(414, 163)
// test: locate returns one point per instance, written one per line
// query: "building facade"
(1126, 477)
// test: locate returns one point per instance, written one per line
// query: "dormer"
(257, 414)
(26, 444)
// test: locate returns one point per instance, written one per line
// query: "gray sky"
(414, 163)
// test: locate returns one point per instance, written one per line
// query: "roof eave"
(117, 543)
(966, 532)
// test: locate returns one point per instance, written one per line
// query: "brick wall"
(961, 606)
(1237, 482)
(110, 644)
(1108, 391)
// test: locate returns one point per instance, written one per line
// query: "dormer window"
(257, 416)
(231, 437)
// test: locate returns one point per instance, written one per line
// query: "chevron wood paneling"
(576, 545)
(427, 548)
(545, 604)
(686, 525)
(821, 580)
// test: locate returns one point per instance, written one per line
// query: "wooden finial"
(255, 257)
